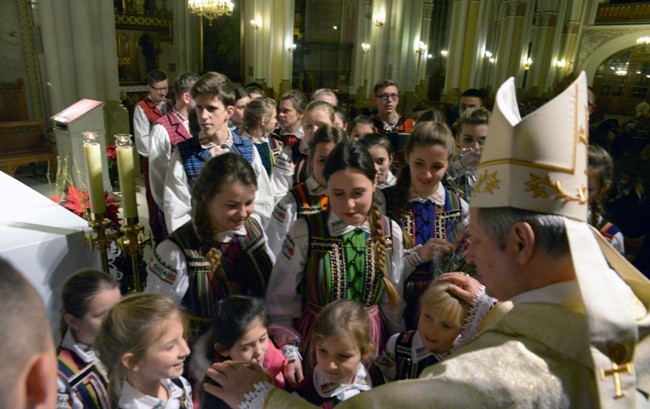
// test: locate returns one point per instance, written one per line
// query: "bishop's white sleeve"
(283, 299)
(167, 272)
(160, 152)
(141, 129)
(283, 216)
(394, 318)
(264, 196)
(177, 200)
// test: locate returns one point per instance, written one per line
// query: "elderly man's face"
(494, 262)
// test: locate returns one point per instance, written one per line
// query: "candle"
(126, 174)
(93, 156)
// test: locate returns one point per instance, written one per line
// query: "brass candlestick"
(100, 237)
(132, 242)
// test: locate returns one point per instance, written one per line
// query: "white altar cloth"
(43, 240)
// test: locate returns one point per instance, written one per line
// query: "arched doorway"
(622, 81)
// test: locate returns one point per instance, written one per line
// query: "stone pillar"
(542, 53)
(361, 60)
(463, 48)
(512, 49)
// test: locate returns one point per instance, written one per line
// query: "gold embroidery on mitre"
(490, 180)
(539, 187)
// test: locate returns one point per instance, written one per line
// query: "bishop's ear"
(522, 237)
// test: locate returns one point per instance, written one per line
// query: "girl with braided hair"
(222, 251)
(348, 252)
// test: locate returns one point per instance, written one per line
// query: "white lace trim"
(256, 398)
(477, 312)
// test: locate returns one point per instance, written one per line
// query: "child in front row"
(238, 333)
(142, 344)
(86, 297)
(348, 252)
(308, 197)
(342, 338)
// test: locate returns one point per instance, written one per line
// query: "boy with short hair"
(214, 96)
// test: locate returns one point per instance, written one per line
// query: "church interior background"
(55, 53)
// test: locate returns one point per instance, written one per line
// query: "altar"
(43, 240)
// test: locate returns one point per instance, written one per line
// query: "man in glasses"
(147, 112)
(388, 121)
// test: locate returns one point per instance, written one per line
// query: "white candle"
(126, 172)
(93, 156)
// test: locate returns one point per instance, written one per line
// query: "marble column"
(512, 49)
(463, 48)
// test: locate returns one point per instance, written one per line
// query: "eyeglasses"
(158, 89)
(386, 97)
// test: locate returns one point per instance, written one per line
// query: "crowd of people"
(298, 250)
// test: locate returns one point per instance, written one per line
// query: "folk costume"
(320, 391)
(82, 380)
(186, 163)
(397, 129)
(610, 232)
(145, 115)
(583, 343)
(167, 132)
(182, 271)
(180, 396)
(305, 198)
(291, 166)
(268, 147)
(322, 260)
(441, 216)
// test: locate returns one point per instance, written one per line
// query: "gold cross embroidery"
(615, 372)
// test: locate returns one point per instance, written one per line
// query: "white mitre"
(539, 164)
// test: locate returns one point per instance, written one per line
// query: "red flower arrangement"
(78, 202)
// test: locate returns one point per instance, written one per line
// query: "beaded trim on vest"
(85, 379)
(306, 202)
(326, 272)
(405, 368)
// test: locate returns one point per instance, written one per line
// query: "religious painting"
(221, 45)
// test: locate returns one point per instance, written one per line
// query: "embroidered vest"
(151, 110)
(246, 269)
(268, 151)
(175, 128)
(328, 278)
(403, 125)
(306, 202)
(194, 156)
(405, 368)
(86, 380)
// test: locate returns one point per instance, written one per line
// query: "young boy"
(214, 96)
(167, 132)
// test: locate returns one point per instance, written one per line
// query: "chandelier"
(210, 9)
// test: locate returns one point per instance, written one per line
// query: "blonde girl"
(440, 320)
(85, 298)
(258, 125)
(348, 252)
(308, 197)
(142, 344)
(429, 213)
(600, 179)
(343, 345)
(292, 166)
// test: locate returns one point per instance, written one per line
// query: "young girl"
(292, 165)
(308, 197)
(429, 214)
(441, 318)
(360, 126)
(381, 150)
(348, 252)
(343, 344)
(222, 251)
(258, 124)
(86, 297)
(142, 344)
(292, 106)
(600, 180)
(238, 333)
